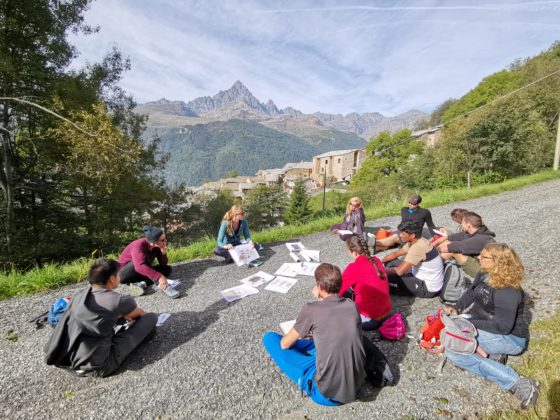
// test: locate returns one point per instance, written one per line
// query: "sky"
(328, 56)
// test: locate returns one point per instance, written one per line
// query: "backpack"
(378, 371)
(458, 334)
(393, 328)
(57, 310)
(454, 284)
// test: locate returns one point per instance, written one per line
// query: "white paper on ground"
(257, 279)
(243, 254)
(295, 257)
(288, 269)
(345, 232)
(308, 269)
(173, 283)
(238, 292)
(286, 326)
(439, 232)
(281, 284)
(295, 246)
(311, 255)
(162, 318)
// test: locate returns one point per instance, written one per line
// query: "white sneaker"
(170, 292)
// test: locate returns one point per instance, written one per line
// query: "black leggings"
(408, 285)
(129, 275)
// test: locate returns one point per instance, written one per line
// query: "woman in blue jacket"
(234, 225)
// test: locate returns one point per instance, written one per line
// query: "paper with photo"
(295, 246)
(173, 283)
(162, 318)
(288, 269)
(257, 279)
(243, 254)
(308, 269)
(281, 284)
(345, 232)
(439, 232)
(310, 255)
(238, 292)
(286, 326)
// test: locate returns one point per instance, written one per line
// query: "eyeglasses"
(486, 257)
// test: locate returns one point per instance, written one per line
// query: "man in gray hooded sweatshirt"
(90, 339)
(466, 245)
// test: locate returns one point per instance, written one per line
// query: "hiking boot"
(136, 289)
(499, 357)
(170, 292)
(526, 390)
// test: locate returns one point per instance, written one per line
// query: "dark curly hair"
(412, 227)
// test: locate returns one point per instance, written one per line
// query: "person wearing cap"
(414, 213)
(137, 263)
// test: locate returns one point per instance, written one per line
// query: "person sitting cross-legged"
(330, 367)
(137, 259)
(464, 246)
(85, 340)
(234, 225)
(497, 306)
(420, 272)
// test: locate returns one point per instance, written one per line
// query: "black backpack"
(378, 371)
(455, 284)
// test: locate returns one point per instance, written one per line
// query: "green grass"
(542, 363)
(53, 276)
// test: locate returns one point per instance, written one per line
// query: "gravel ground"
(207, 360)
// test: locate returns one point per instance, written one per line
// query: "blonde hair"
(356, 199)
(507, 271)
(235, 210)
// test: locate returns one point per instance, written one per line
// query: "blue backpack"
(57, 310)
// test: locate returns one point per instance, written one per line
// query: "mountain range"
(210, 136)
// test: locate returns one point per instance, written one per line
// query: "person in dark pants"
(234, 225)
(420, 272)
(85, 340)
(136, 260)
(411, 213)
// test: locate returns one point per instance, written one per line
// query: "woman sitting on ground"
(497, 313)
(366, 282)
(413, 212)
(234, 225)
(353, 220)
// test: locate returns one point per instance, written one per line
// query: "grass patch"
(542, 363)
(53, 276)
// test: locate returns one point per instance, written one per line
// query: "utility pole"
(557, 152)
(324, 187)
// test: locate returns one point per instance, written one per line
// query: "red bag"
(429, 339)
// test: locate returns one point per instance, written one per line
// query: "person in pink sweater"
(365, 281)
(137, 263)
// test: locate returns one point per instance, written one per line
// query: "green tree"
(386, 155)
(265, 206)
(298, 212)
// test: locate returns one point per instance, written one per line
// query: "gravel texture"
(207, 360)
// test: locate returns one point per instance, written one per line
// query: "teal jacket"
(224, 238)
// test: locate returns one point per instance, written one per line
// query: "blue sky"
(329, 56)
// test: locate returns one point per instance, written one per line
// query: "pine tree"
(298, 212)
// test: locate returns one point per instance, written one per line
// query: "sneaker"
(170, 292)
(136, 289)
(499, 357)
(526, 390)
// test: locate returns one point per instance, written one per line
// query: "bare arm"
(394, 255)
(289, 339)
(135, 314)
(403, 268)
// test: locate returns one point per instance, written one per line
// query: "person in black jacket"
(464, 246)
(413, 212)
(497, 313)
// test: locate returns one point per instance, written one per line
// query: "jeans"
(491, 370)
(298, 364)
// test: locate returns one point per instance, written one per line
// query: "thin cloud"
(328, 58)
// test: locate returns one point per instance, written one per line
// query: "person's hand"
(443, 229)
(162, 283)
(228, 246)
(315, 292)
(450, 310)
